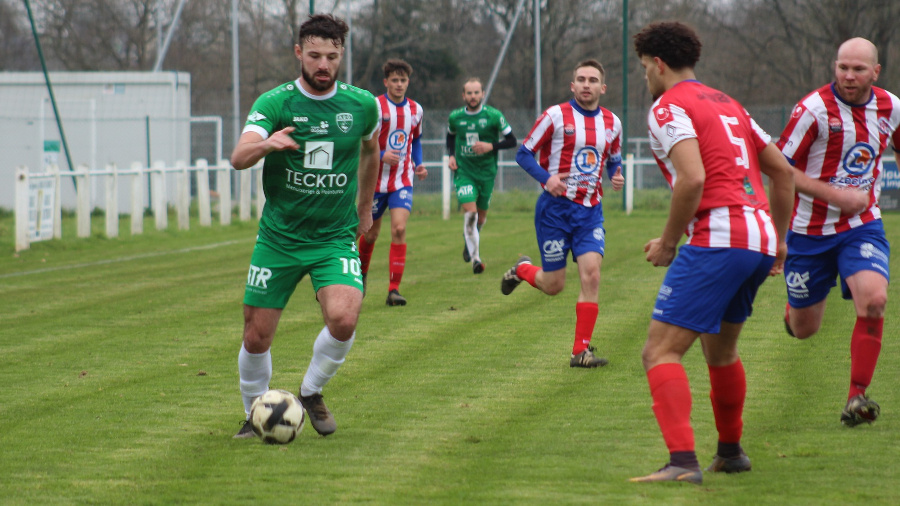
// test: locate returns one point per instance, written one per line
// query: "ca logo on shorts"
(796, 284)
(553, 247)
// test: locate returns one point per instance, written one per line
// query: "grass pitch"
(118, 366)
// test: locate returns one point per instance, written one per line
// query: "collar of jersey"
(398, 104)
(316, 97)
(848, 104)
(583, 111)
(472, 113)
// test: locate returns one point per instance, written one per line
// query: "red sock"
(728, 389)
(365, 253)
(527, 272)
(671, 394)
(865, 345)
(397, 259)
(585, 318)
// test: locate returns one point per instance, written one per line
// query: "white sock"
(256, 371)
(328, 355)
(470, 231)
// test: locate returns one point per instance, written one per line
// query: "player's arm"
(781, 197)
(251, 147)
(509, 141)
(690, 176)
(368, 175)
(451, 149)
(418, 167)
(850, 201)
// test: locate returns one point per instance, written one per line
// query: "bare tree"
(98, 34)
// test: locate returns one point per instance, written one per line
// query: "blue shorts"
(815, 261)
(705, 286)
(562, 225)
(401, 198)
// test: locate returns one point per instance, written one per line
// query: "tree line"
(762, 52)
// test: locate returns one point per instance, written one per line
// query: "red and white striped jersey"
(840, 144)
(734, 209)
(575, 145)
(400, 124)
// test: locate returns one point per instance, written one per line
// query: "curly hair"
(396, 66)
(674, 43)
(324, 26)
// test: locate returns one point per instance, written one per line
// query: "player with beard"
(835, 140)
(474, 135)
(319, 138)
(574, 141)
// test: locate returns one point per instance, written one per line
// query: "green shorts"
(469, 189)
(276, 269)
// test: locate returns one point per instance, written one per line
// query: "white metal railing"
(159, 174)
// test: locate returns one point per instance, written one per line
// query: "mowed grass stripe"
(474, 404)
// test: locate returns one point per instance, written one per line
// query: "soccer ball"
(277, 416)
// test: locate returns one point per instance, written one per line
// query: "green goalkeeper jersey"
(486, 125)
(311, 192)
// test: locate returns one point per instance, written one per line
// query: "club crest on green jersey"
(344, 121)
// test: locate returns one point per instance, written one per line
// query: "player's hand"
(452, 163)
(555, 186)
(618, 180)
(851, 201)
(778, 266)
(365, 219)
(658, 254)
(391, 157)
(282, 140)
(482, 147)
(421, 172)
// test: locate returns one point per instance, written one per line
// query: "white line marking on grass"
(121, 259)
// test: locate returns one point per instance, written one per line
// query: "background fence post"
(160, 201)
(445, 187)
(223, 186)
(112, 201)
(183, 193)
(57, 202)
(203, 208)
(137, 199)
(83, 201)
(629, 183)
(22, 208)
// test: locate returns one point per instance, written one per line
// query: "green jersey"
(311, 192)
(486, 125)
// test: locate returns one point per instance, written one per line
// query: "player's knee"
(553, 286)
(398, 233)
(875, 306)
(803, 330)
(343, 326)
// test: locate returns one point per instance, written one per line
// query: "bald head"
(858, 48)
(856, 69)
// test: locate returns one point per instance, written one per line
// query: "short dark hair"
(324, 26)
(590, 62)
(676, 44)
(396, 66)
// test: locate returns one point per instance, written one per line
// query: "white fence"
(27, 212)
(32, 221)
